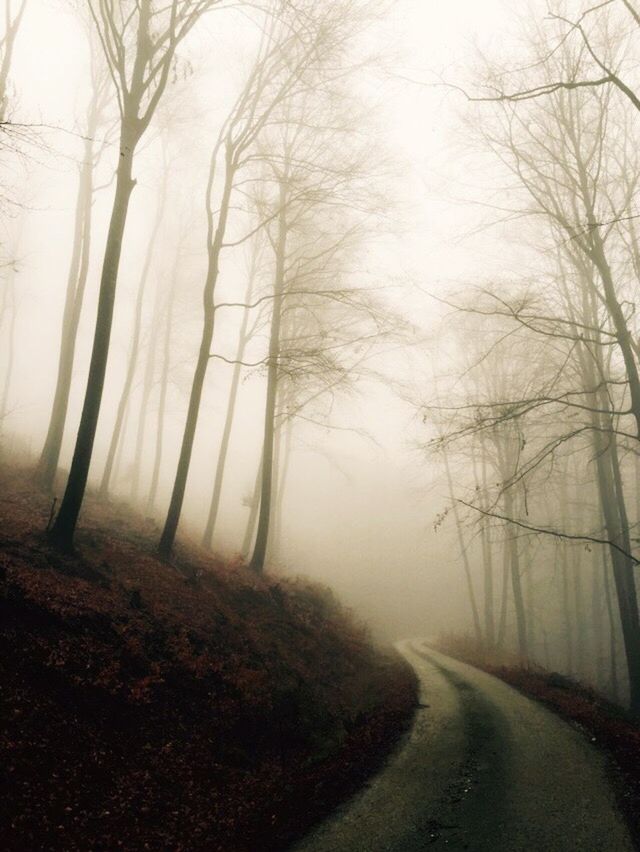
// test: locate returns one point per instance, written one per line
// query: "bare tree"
(9, 132)
(132, 364)
(78, 267)
(244, 335)
(9, 306)
(312, 321)
(140, 40)
(165, 314)
(294, 39)
(12, 23)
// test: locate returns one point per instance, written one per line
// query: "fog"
(448, 262)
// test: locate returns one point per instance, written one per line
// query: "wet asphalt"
(483, 769)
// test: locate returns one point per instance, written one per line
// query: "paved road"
(483, 769)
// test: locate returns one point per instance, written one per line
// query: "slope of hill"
(185, 706)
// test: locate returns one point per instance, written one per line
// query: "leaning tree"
(140, 40)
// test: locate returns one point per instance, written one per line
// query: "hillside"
(184, 706)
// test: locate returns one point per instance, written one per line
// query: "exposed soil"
(176, 706)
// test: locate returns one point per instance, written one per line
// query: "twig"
(554, 533)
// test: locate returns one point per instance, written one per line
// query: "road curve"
(483, 769)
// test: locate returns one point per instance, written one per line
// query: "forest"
(318, 332)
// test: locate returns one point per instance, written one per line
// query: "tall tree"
(266, 490)
(140, 40)
(9, 132)
(12, 21)
(9, 307)
(244, 336)
(78, 269)
(294, 38)
(132, 364)
(169, 302)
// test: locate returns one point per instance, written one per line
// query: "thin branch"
(554, 533)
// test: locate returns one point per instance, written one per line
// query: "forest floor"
(179, 706)
(606, 725)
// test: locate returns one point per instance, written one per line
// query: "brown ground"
(187, 706)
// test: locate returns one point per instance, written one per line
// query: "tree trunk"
(609, 480)
(636, 463)
(250, 528)
(581, 633)
(516, 583)
(65, 523)
(215, 247)
(463, 552)
(149, 371)
(578, 602)
(117, 464)
(76, 284)
(207, 538)
(613, 644)
(11, 31)
(504, 593)
(597, 602)
(284, 462)
(264, 518)
(135, 346)
(487, 559)
(530, 603)
(624, 580)
(566, 611)
(162, 402)
(4, 400)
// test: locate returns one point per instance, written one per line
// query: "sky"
(360, 511)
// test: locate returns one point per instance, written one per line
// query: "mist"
(335, 527)
(334, 294)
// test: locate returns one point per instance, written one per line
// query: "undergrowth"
(188, 706)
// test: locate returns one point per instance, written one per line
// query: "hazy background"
(359, 510)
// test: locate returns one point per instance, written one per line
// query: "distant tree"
(295, 40)
(9, 132)
(163, 326)
(323, 213)
(244, 336)
(93, 150)
(570, 142)
(8, 315)
(12, 21)
(462, 547)
(132, 363)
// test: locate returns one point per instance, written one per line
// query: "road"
(483, 769)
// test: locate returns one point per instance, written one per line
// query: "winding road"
(483, 769)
